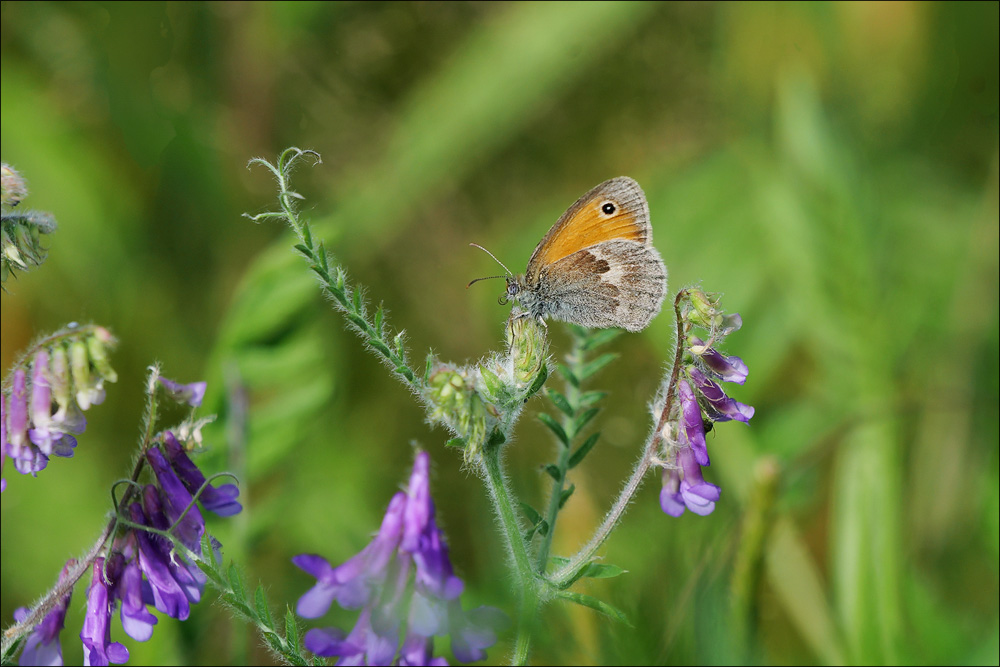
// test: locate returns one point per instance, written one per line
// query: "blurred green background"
(832, 168)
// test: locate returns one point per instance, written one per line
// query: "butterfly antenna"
(476, 245)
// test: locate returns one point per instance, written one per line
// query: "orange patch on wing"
(588, 227)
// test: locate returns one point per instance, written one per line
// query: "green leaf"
(292, 630)
(456, 442)
(570, 376)
(379, 317)
(583, 450)
(584, 419)
(601, 337)
(260, 604)
(540, 379)
(590, 397)
(531, 513)
(560, 402)
(592, 367)
(236, 583)
(566, 493)
(554, 472)
(496, 438)
(380, 346)
(596, 605)
(491, 380)
(322, 257)
(555, 427)
(601, 571)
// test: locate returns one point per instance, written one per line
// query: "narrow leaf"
(590, 397)
(560, 402)
(531, 513)
(601, 337)
(554, 472)
(570, 376)
(555, 427)
(602, 571)
(566, 493)
(583, 450)
(456, 442)
(597, 605)
(236, 583)
(597, 364)
(260, 604)
(584, 419)
(291, 630)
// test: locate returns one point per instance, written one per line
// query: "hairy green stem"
(567, 572)
(524, 573)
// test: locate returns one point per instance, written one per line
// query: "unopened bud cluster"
(20, 233)
(474, 401)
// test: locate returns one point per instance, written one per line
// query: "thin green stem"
(525, 574)
(567, 572)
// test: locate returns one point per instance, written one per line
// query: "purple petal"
(177, 501)
(220, 500)
(329, 642)
(419, 506)
(136, 620)
(721, 407)
(42, 646)
(692, 426)
(192, 394)
(167, 594)
(96, 633)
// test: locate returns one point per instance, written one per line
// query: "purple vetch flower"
(691, 492)
(720, 407)
(98, 649)
(692, 431)
(726, 368)
(42, 646)
(418, 651)
(352, 584)
(700, 401)
(405, 585)
(69, 373)
(27, 458)
(220, 500)
(136, 620)
(192, 393)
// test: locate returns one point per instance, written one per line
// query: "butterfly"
(596, 266)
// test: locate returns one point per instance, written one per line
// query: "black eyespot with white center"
(608, 207)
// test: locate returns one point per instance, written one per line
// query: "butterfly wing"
(618, 283)
(615, 209)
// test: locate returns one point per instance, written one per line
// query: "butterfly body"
(596, 266)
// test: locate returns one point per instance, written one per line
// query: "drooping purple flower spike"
(69, 371)
(405, 585)
(700, 400)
